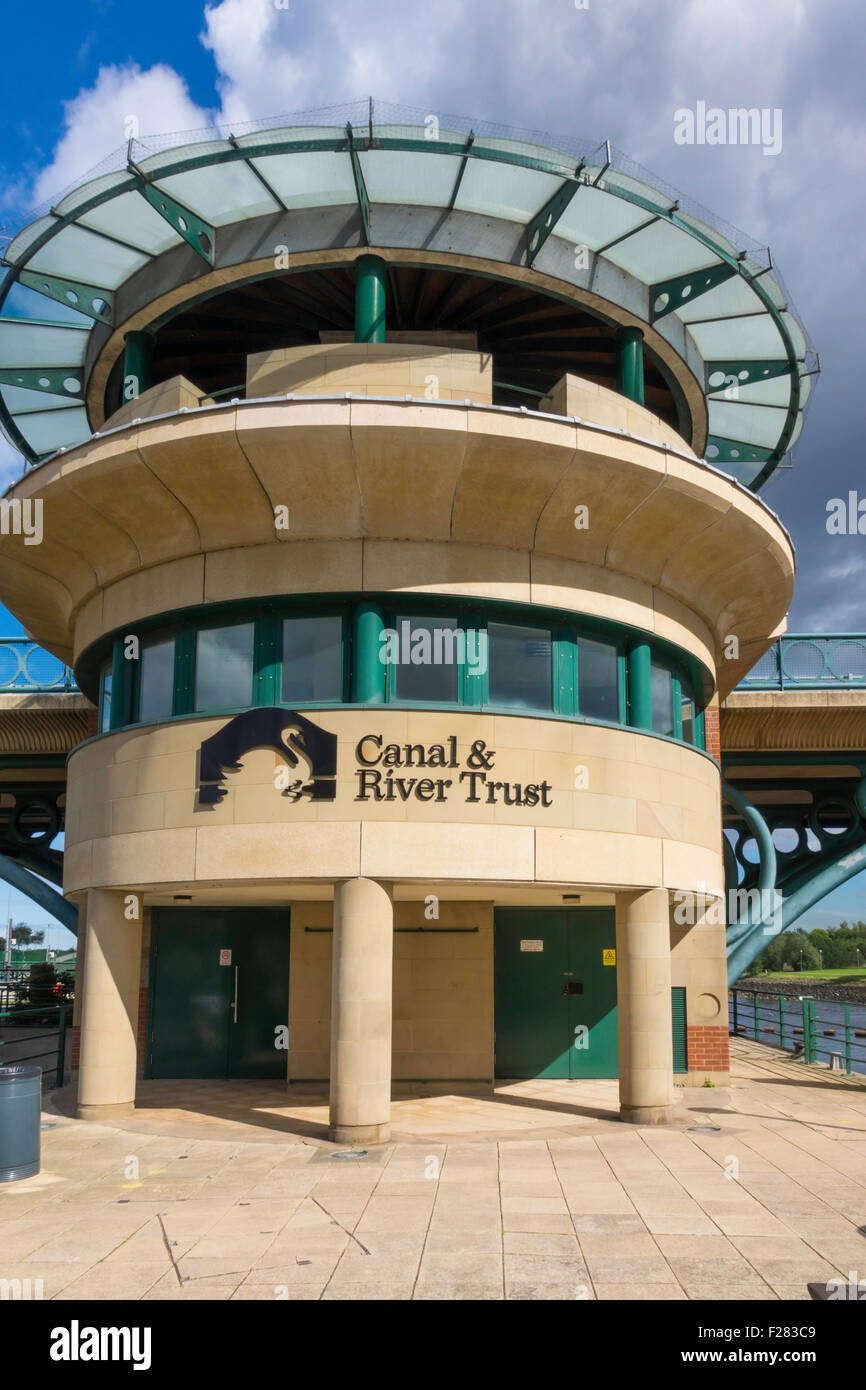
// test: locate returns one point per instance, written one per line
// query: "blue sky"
(616, 69)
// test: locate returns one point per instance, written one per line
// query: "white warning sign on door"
(532, 945)
(225, 957)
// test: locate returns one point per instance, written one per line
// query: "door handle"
(234, 1003)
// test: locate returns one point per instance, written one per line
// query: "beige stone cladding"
(163, 399)
(699, 963)
(372, 369)
(442, 992)
(420, 796)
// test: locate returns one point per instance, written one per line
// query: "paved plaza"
(220, 1190)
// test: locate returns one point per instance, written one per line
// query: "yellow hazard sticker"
(608, 957)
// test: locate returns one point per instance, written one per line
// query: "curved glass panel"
(662, 700)
(156, 677)
(598, 680)
(312, 659)
(224, 667)
(427, 665)
(521, 666)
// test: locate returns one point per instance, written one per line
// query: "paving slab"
(531, 1191)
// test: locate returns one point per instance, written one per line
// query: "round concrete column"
(361, 1012)
(109, 1014)
(643, 977)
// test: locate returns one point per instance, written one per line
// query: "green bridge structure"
(793, 756)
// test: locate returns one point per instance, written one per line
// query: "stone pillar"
(361, 1012)
(643, 974)
(109, 1016)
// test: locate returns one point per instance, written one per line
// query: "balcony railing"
(811, 661)
(25, 668)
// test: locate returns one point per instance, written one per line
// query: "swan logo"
(285, 732)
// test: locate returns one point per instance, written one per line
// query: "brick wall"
(712, 734)
(708, 1048)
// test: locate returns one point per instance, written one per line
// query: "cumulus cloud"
(100, 119)
(617, 69)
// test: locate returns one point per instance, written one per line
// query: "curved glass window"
(426, 652)
(156, 680)
(312, 659)
(521, 666)
(424, 657)
(224, 667)
(662, 700)
(598, 679)
(105, 700)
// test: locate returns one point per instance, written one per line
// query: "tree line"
(825, 948)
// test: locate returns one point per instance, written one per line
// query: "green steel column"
(629, 343)
(640, 699)
(368, 672)
(137, 354)
(370, 299)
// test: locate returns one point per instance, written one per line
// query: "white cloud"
(98, 120)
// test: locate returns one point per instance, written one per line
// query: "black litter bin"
(20, 1109)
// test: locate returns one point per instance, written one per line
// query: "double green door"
(555, 992)
(219, 992)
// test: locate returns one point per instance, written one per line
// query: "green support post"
(629, 343)
(368, 673)
(137, 354)
(808, 1038)
(370, 299)
(848, 1067)
(640, 700)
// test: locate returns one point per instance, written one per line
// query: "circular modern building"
(399, 515)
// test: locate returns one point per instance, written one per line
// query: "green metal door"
(555, 992)
(260, 1004)
(531, 1011)
(219, 992)
(592, 967)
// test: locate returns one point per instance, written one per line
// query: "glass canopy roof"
(710, 292)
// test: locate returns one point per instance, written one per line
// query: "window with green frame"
(478, 655)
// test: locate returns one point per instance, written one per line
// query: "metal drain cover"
(352, 1153)
(705, 1129)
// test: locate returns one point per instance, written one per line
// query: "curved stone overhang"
(387, 494)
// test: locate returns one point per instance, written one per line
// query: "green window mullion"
(473, 687)
(122, 686)
(565, 661)
(268, 660)
(677, 689)
(184, 671)
(372, 681)
(700, 732)
(476, 686)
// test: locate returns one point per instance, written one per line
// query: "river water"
(786, 1031)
